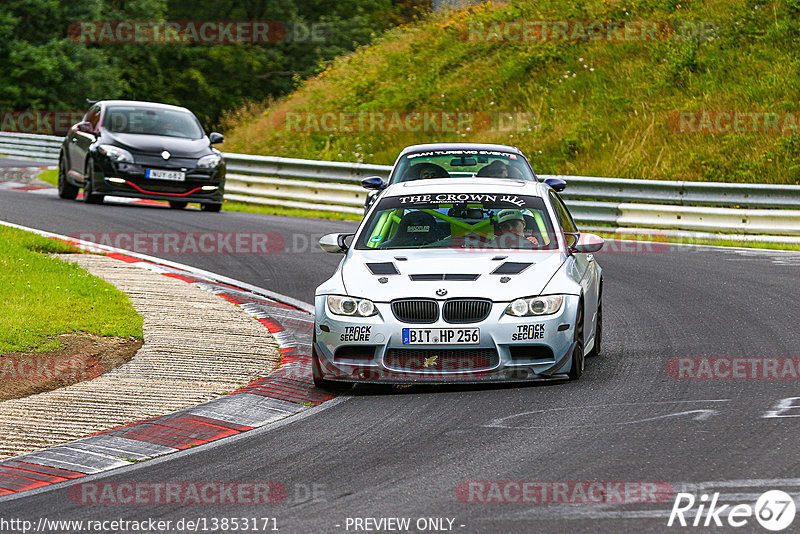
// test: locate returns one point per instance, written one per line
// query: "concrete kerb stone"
(262, 401)
(179, 365)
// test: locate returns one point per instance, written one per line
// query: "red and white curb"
(23, 178)
(28, 188)
(49, 190)
(42, 168)
(286, 392)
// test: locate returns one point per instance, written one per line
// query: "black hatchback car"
(144, 150)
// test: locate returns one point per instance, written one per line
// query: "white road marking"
(703, 414)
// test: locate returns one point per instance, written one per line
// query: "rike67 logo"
(774, 510)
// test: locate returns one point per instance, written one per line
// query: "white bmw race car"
(453, 280)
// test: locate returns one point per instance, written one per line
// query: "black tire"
(65, 189)
(320, 382)
(598, 331)
(578, 360)
(88, 174)
(214, 208)
(177, 204)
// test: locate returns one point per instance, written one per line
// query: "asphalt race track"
(9, 162)
(406, 452)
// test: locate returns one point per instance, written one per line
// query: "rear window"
(462, 164)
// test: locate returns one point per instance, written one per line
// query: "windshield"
(462, 163)
(459, 220)
(149, 121)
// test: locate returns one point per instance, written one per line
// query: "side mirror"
(85, 127)
(557, 184)
(588, 243)
(334, 243)
(373, 182)
(215, 137)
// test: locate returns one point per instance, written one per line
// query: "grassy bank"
(50, 176)
(594, 108)
(41, 297)
(290, 212)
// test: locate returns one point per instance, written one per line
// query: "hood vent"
(511, 267)
(445, 277)
(382, 268)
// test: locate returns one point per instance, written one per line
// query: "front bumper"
(510, 349)
(205, 186)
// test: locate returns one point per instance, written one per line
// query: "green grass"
(290, 212)
(42, 297)
(583, 108)
(50, 176)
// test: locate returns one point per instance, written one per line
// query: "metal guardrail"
(334, 186)
(682, 193)
(303, 169)
(39, 147)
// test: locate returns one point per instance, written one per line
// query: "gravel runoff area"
(197, 346)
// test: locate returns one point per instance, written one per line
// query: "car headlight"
(527, 307)
(351, 306)
(116, 153)
(209, 162)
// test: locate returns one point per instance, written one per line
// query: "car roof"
(466, 185)
(461, 146)
(138, 103)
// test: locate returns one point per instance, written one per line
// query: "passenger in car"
(496, 169)
(426, 170)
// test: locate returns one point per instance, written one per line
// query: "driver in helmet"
(513, 222)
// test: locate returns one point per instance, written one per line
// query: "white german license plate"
(441, 336)
(175, 176)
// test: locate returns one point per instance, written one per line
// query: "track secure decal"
(356, 333)
(528, 331)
